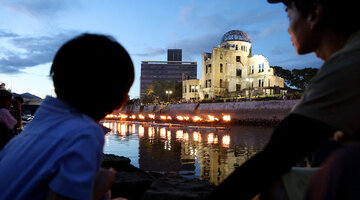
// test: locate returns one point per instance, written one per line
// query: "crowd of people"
(58, 154)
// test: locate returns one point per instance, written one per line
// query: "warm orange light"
(216, 140)
(141, 131)
(106, 124)
(133, 117)
(197, 119)
(226, 140)
(197, 136)
(169, 118)
(169, 135)
(163, 133)
(186, 136)
(211, 118)
(151, 132)
(133, 128)
(141, 116)
(211, 138)
(163, 117)
(122, 116)
(180, 118)
(186, 118)
(179, 134)
(227, 118)
(123, 129)
(151, 116)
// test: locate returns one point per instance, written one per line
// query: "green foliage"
(156, 92)
(298, 78)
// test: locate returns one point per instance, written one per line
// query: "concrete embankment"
(250, 112)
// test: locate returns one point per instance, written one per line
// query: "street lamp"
(168, 92)
(250, 81)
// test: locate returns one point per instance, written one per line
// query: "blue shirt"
(60, 149)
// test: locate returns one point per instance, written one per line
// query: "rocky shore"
(133, 183)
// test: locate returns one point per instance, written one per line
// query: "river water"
(207, 153)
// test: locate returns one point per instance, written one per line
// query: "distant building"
(231, 71)
(173, 69)
(174, 55)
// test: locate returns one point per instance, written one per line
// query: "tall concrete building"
(231, 71)
(172, 69)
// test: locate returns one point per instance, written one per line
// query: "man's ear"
(315, 15)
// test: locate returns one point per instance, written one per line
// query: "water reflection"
(208, 153)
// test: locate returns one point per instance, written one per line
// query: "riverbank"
(263, 113)
(134, 183)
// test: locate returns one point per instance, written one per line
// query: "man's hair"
(4, 96)
(93, 73)
(341, 16)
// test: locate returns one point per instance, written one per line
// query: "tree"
(298, 78)
(283, 73)
(157, 90)
(302, 77)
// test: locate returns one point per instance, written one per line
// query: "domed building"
(232, 71)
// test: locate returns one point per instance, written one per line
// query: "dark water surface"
(208, 153)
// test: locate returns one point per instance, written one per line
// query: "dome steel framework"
(235, 35)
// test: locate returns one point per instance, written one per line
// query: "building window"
(261, 83)
(238, 72)
(236, 47)
(184, 89)
(238, 59)
(269, 82)
(238, 87)
(209, 68)
(221, 83)
(221, 68)
(208, 84)
(261, 67)
(252, 69)
(197, 88)
(221, 56)
(189, 88)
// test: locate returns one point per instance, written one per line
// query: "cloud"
(5, 33)
(151, 52)
(39, 8)
(31, 51)
(194, 46)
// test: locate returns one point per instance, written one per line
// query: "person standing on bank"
(59, 153)
(330, 29)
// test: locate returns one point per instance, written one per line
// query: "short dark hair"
(93, 73)
(4, 96)
(341, 16)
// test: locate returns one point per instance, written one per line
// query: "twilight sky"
(31, 31)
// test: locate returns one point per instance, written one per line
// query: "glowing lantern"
(226, 118)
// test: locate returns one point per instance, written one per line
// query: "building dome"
(235, 35)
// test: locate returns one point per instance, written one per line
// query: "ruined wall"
(243, 111)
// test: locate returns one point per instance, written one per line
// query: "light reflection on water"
(208, 153)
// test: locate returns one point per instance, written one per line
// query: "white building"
(231, 71)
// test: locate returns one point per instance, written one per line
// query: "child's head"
(5, 99)
(93, 73)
